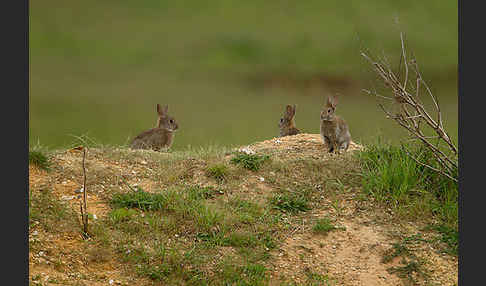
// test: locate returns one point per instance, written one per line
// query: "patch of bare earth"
(64, 258)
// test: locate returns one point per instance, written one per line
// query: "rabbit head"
(328, 113)
(287, 120)
(165, 121)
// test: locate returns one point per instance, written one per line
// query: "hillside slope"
(199, 217)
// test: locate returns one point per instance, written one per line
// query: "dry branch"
(413, 116)
(84, 205)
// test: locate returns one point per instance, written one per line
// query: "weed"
(398, 249)
(290, 202)
(39, 159)
(218, 172)
(251, 274)
(450, 237)
(324, 226)
(408, 269)
(316, 279)
(121, 214)
(198, 193)
(335, 205)
(411, 264)
(241, 239)
(141, 200)
(246, 211)
(250, 161)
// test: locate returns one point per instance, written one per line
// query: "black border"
(15, 141)
(471, 112)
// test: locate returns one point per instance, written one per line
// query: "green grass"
(141, 200)
(316, 279)
(121, 214)
(39, 159)
(218, 172)
(189, 225)
(291, 202)
(250, 161)
(449, 236)
(324, 226)
(391, 176)
(411, 267)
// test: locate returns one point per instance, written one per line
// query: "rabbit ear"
(162, 111)
(293, 109)
(334, 101)
(331, 102)
(288, 111)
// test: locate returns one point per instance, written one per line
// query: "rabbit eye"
(171, 121)
(329, 110)
(281, 119)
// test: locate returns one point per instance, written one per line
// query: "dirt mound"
(350, 255)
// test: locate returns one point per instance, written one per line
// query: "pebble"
(246, 150)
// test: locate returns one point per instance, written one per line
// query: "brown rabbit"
(160, 137)
(334, 130)
(286, 124)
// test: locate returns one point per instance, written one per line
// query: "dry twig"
(84, 205)
(413, 115)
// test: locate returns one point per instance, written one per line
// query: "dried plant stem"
(412, 114)
(84, 206)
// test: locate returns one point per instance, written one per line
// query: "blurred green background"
(225, 68)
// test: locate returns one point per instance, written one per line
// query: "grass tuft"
(39, 159)
(141, 200)
(290, 202)
(250, 161)
(391, 176)
(324, 226)
(121, 214)
(449, 236)
(218, 172)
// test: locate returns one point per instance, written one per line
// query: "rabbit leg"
(331, 148)
(329, 144)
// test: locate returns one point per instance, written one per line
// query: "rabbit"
(159, 137)
(334, 130)
(286, 124)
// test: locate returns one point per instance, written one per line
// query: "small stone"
(262, 179)
(111, 281)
